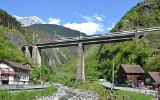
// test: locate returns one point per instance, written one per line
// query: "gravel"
(67, 93)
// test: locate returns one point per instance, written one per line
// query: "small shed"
(152, 79)
(130, 74)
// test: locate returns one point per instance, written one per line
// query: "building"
(14, 73)
(130, 74)
(152, 80)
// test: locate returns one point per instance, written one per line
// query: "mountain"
(27, 21)
(145, 53)
(10, 38)
(12, 32)
(53, 30)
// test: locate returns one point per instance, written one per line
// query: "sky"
(89, 16)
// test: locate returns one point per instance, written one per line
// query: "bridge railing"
(19, 87)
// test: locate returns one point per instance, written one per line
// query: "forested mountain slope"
(14, 33)
(8, 27)
(144, 15)
(56, 30)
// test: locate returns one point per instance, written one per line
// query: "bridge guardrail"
(19, 87)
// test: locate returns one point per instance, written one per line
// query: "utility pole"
(55, 34)
(41, 75)
(112, 75)
(33, 37)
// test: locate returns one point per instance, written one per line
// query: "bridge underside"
(80, 42)
(85, 43)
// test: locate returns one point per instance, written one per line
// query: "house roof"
(155, 76)
(18, 65)
(132, 68)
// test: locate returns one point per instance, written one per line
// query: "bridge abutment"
(25, 49)
(139, 35)
(80, 73)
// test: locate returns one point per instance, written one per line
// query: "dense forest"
(9, 21)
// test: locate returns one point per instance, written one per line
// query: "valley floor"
(67, 93)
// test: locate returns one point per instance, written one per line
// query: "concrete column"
(80, 74)
(36, 56)
(27, 52)
(137, 36)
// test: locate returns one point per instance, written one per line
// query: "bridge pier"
(36, 56)
(80, 73)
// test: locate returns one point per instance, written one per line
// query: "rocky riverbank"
(67, 93)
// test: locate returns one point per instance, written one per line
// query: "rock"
(67, 93)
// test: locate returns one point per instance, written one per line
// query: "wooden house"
(130, 74)
(152, 79)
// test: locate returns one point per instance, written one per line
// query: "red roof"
(132, 68)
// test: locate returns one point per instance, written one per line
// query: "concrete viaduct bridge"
(34, 50)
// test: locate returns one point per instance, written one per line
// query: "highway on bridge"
(34, 50)
(107, 38)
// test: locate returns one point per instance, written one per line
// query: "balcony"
(4, 78)
(4, 71)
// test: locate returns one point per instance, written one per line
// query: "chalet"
(14, 73)
(152, 79)
(130, 74)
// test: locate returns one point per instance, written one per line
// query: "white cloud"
(99, 17)
(87, 27)
(91, 24)
(54, 21)
(95, 17)
(110, 27)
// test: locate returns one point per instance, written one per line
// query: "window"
(16, 76)
(148, 80)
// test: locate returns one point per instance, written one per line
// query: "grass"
(94, 86)
(131, 95)
(26, 95)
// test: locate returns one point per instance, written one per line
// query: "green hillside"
(145, 14)
(8, 50)
(55, 30)
(12, 35)
(99, 58)
(9, 21)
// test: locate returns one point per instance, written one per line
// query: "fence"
(139, 90)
